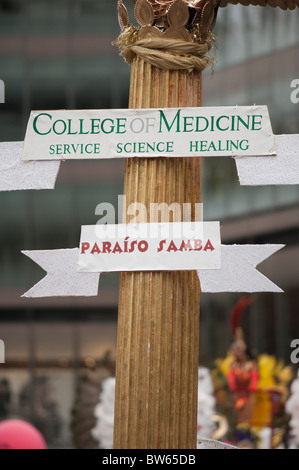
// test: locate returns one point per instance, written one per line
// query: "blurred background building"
(59, 55)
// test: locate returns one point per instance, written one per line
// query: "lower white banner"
(238, 272)
(63, 278)
(150, 247)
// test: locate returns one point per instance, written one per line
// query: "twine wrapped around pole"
(166, 53)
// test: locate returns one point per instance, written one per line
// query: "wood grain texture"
(158, 319)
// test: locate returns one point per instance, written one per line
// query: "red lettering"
(185, 246)
(126, 245)
(95, 249)
(132, 248)
(84, 247)
(162, 242)
(142, 246)
(197, 245)
(117, 248)
(172, 246)
(209, 246)
(106, 247)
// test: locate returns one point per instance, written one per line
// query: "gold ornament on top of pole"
(170, 32)
(158, 319)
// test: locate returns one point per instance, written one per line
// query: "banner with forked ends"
(279, 169)
(177, 246)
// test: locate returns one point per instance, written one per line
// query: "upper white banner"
(16, 174)
(167, 132)
(283, 169)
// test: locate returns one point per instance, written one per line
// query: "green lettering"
(193, 146)
(254, 123)
(163, 119)
(63, 127)
(125, 147)
(35, 124)
(150, 147)
(86, 146)
(95, 126)
(232, 144)
(75, 148)
(188, 124)
(111, 129)
(119, 125)
(197, 124)
(212, 146)
(66, 148)
(158, 146)
(244, 145)
(70, 128)
(169, 146)
(218, 123)
(59, 149)
(203, 145)
(243, 122)
(141, 147)
(212, 123)
(81, 127)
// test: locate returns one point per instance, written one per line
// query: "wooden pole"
(158, 318)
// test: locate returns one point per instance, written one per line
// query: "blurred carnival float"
(243, 401)
(251, 392)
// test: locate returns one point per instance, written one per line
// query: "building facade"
(59, 55)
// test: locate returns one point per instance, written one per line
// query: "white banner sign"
(63, 278)
(148, 247)
(167, 132)
(281, 169)
(237, 273)
(16, 174)
(238, 270)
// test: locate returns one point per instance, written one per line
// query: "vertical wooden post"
(158, 318)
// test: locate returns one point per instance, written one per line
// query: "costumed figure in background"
(243, 373)
(251, 392)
